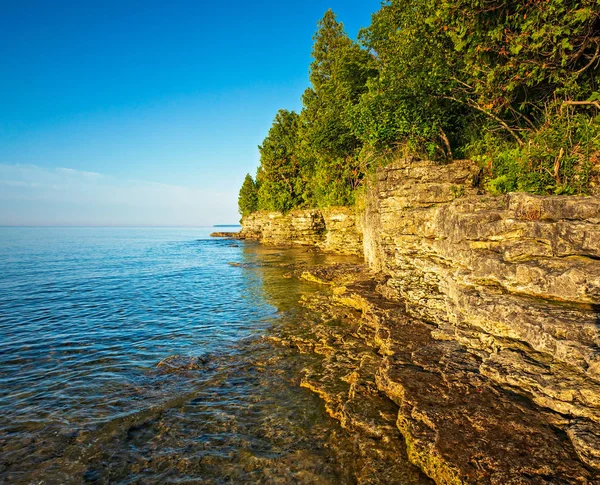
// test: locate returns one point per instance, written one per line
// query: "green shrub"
(554, 159)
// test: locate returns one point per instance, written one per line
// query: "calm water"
(134, 356)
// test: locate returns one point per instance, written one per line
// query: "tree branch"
(474, 105)
(594, 59)
(521, 115)
(447, 144)
(582, 103)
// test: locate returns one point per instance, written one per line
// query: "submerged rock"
(384, 373)
(479, 320)
(179, 363)
(235, 264)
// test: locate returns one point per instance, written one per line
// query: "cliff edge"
(484, 313)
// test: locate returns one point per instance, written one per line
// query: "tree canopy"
(279, 178)
(512, 85)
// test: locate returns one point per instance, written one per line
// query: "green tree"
(522, 66)
(248, 197)
(338, 74)
(406, 104)
(281, 185)
(511, 84)
(496, 80)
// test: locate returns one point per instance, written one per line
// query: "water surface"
(135, 356)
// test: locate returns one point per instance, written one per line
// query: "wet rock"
(479, 319)
(345, 379)
(586, 440)
(178, 363)
(458, 423)
(92, 476)
(333, 275)
(235, 264)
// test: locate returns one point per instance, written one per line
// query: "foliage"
(248, 198)
(280, 185)
(556, 158)
(516, 57)
(338, 74)
(511, 84)
(406, 104)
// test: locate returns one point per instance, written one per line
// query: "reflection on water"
(135, 356)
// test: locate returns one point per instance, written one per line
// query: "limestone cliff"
(484, 313)
(334, 229)
(514, 280)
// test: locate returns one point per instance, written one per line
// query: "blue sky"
(145, 112)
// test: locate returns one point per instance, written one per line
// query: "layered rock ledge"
(384, 371)
(336, 229)
(226, 235)
(482, 318)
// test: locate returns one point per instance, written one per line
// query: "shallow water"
(135, 356)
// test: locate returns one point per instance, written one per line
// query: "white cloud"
(30, 194)
(79, 173)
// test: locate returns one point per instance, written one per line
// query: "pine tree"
(248, 198)
(279, 176)
(338, 75)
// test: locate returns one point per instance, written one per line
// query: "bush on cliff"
(556, 158)
(407, 104)
(451, 71)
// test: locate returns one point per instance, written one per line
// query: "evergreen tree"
(514, 85)
(338, 74)
(280, 180)
(248, 198)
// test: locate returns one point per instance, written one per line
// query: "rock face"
(227, 235)
(459, 426)
(479, 318)
(514, 281)
(334, 229)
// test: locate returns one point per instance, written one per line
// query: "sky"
(146, 113)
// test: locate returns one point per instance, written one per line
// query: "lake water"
(132, 355)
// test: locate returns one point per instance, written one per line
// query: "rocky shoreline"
(476, 318)
(230, 235)
(384, 371)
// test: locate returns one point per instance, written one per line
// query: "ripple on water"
(86, 314)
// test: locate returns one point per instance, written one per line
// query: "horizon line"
(124, 226)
